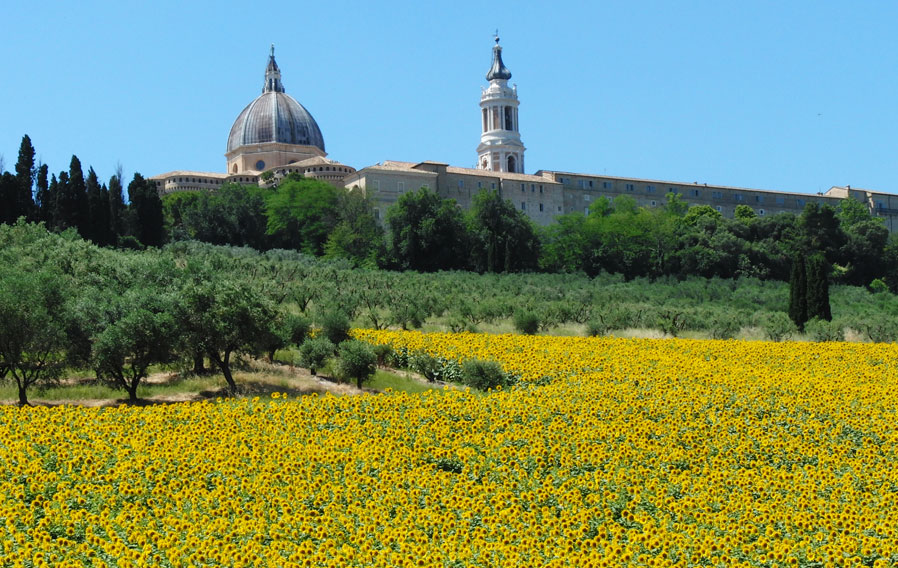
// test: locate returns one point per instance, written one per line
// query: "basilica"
(274, 135)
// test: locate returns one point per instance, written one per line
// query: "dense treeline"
(70, 200)
(66, 303)
(425, 233)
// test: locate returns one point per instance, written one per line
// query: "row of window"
(524, 206)
(718, 195)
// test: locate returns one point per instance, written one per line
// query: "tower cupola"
(500, 149)
(498, 70)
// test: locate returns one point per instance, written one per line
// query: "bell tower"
(500, 149)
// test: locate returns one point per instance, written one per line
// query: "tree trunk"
(358, 382)
(199, 365)
(23, 395)
(225, 364)
(132, 392)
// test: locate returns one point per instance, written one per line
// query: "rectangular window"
(580, 183)
(540, 206)
(532, 188)
(716, 195)
(479, 185)
(606, 185)
(559, 208)
(523, 206)
(400, 185)
(493, 185)
(650, 189)
(780, 200)
(629, 187)
(590, 184)
(799, 202)
(696, 193)
(376, 183)
(522, 187)
(461, 184)
(759, 199)
(739, 197)
(377, 213)
(540, 188)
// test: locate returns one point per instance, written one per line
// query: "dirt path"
(260, 379)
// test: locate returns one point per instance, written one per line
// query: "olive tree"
(221, 317)
(32, 328)
(143, 332)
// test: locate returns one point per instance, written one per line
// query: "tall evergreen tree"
(97, 225)
(117, 209)
(8, 198)
(798, 288)
(43, 192)
(61, 199)
(25, 172)
(78, 197)
(146, 211)
(818, 288)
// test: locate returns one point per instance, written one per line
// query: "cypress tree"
(818, 288)
(62, 202)
(117, 211)
(146, 207)
(78, 197)
(798, 288)
(97, 225)
(42, 193)
(8, 190)
(24, 201)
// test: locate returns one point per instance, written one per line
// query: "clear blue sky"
(794, 96)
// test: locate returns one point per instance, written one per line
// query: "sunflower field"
(607, 452)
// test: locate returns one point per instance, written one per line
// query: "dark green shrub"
(314, 352)
(778, 326)
(485, 375)
(335, 326)
(382, 351)
(822, 330)
(878, 286)
(357, 361)
(879, 328)
(526, 322)
(723, 326)
(297, 328)
(427, 365)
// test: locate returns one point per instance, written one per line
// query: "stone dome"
(274, 116)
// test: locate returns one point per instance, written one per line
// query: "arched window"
(511, 164)
(234, 169)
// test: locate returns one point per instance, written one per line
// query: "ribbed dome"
(274, 116)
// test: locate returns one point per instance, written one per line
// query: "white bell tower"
(500, 149)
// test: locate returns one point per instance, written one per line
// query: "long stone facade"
(275, 136)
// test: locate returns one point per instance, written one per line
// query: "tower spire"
(272, 76)
(500, 149)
